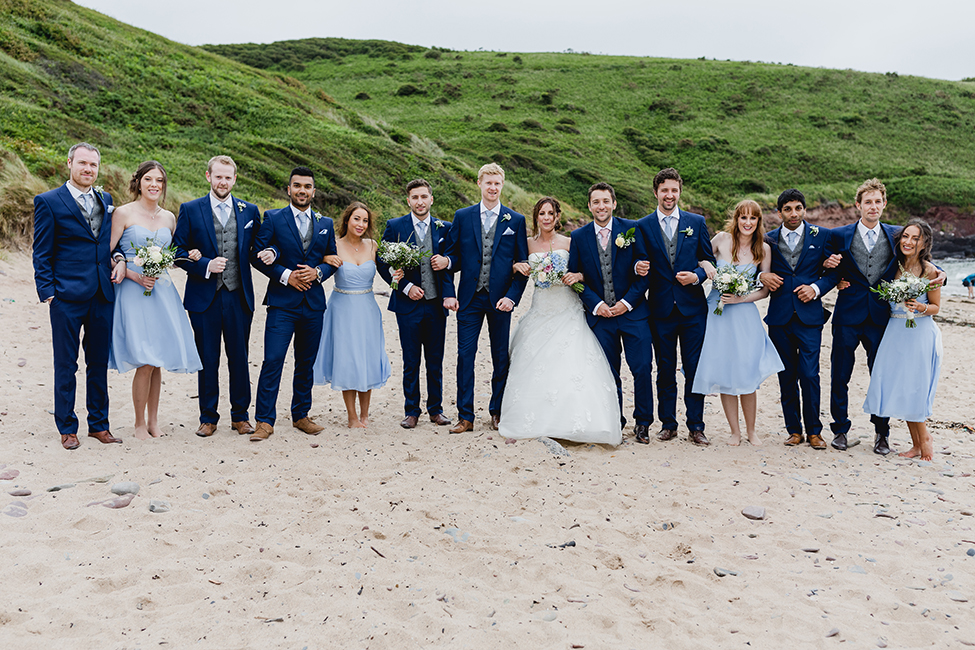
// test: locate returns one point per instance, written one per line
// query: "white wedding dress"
(559, 384)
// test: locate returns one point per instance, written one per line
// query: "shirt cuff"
(407, 288)
(285, 276)
(628, 307)
(816, 289)
(601, 303)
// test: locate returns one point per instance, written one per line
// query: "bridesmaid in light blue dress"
(737, 354)
(352, 354)
(908, 363)
(149, 332)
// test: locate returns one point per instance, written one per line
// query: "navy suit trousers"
(616, 335)
(689, 332)
(469, 321)
(846, 339)
(798, 346)
(304, 324)
(421, 335)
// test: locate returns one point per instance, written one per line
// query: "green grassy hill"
(560, 121)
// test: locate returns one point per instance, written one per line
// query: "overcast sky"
(931, 39)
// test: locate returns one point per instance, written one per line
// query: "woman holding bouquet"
(908, 363)
(737, 354)
(560, 384)
(150, 332)
(352, 354)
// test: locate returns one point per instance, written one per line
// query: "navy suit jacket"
(69, 262)
(278, 231)
(401, 229)
(194, 229)
(627, 285)
(856, 304)
(464, 246)
(783, 302)
(665, 291)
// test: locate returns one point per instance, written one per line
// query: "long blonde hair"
(758, 237)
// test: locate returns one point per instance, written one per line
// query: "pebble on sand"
(970, 552)
(753, 512)
(24, 492)
(159, 506)
(126, 487)
(957, 596)
(9, 474)
(15, 509)
(834, 632)
(58, 488)
(718, 571)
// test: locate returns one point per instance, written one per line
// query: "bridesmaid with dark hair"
(352, 354)
(905, 373)
(149, 332)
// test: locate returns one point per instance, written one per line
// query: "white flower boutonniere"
(814, 231)
(100, 191)
(439, 223)
(506, 217)
(625, 239)
(240, 206)
(688, 231)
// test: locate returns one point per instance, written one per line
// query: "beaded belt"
(353, 293)
(916, 315)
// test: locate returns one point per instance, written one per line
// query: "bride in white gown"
(560, 384)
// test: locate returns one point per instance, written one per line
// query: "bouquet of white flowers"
(550, 270)
(400, 255)
(907, 287)
(153, 259)
(734, 281)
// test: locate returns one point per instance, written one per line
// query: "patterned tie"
(871, 240)
(421, 230)
(791, 239)
(671, 226)
(603, 237)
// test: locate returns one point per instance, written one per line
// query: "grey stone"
(125, 487)
(970, 552)
(957, 596)
(718, 571)
(159, 506)
(856, 568)
(24, 492)
(834, 632)
(555, 448)
(810, 550)
(58, 488)
(753, 512)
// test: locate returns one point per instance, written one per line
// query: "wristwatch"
(318, 271)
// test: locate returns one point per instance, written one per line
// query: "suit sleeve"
(182, 238)
(328, 270)
(519, 281)
(829, 278)
(263, 240)
(445, 278)
(704, 251)
(44, 234)
(589, 297)
(452, 245)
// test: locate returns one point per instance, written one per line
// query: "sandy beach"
(387, 538)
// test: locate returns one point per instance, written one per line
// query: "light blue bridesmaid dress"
(906, 370)
(737, 355)
(150, 330)
(352, 354)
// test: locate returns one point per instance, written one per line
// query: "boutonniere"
(625, 239)
(100, 191)
(688, 231)
(240, 206)
(317, 217)
(506, 217)
(814, 230)
(439, 223)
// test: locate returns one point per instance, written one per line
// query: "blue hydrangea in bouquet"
(549, 270)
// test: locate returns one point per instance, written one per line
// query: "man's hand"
(217, 265)
(686, 277)
(195, 255)
(48, 301)
(940, 280)
(805, 293)
(773, 281)
(618, 309)
(299, 278)
(832, 261)
(505, 304)
(842, 284)
(267, 256)
(438, 262)
(416, 293)
(642, 267)
(118, 271)
(451, 304)
(604, 311)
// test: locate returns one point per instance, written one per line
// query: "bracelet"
(925, 308)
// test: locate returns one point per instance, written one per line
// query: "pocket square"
(111, 209)
(249, 224)
(323, 231)
(508, 231)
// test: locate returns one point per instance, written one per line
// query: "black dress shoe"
(642, 432)
(439, 419)
(839, 442)
(880, 445)
(667, 434)
(698, 438)
(408, 422)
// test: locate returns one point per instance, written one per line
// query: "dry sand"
(387, 538)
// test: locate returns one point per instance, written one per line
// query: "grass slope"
(733, 129)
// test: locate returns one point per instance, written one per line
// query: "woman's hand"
(522, 267)
(571, 278)
(146, 282)
(731, 299)
(195, 255)
(398, 274)
(916, 307)
(842, 284)
(118, 271)
(708, 268)
(333, 260)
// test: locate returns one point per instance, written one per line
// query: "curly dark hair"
(135, 185)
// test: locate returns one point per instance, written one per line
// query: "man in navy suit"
(616, 309)
(421, 303)
(219, 292)
(73, 272)
(670, 243)
(483, 243)
(796, 316)
(289, 250)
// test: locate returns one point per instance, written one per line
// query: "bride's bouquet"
(154, 259)
(400, 255)
(907, 287)
(549, 270)
(734, 281)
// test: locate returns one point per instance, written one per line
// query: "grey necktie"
(303, 223)
(487, 220)
(421, 230)
(222, 209)
(791, 239)
(671, 226)
(871, 240)
(86, 201)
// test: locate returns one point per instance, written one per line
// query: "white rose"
(725, 278)
(155, 255)
(619, 240)
(137, 261)
(543, 276)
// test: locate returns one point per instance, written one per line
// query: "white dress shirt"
(491, 215)
(792, 247)
(863, 230)
(76, 193)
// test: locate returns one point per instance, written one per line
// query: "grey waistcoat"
(487, 249)
(306, 238)
(427, 280)
(792, 257)
(95, 218)
(227, 247)
(874, 263)
(606, 268)
(671, 243)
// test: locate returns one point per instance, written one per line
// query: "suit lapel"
(616, 231)
(289, 220)
(476, 225)
(806, 239)
(74, 209)
(313, 225)
(206, 214)
(678, 234)
(500, 227)
(590, 247)
(658, 237)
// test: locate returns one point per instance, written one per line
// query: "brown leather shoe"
(495, 421)
(309, 427)
(244, 427)
(206, 429)
(105, 437)
(409, 422)
(698, 438)
(262, 432)
(70, 441)
(462, 426)
(816, 442)
(667, 434)
(440, 419)
(796, 439)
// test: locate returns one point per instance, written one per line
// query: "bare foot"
(927, 449)
(913, 452)
(735, 439)
(356, 424)
(142, 433)
(365, 420)
(754, 440)
(155, 431)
